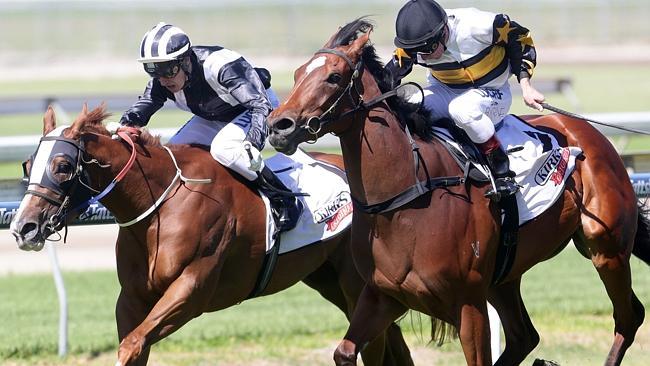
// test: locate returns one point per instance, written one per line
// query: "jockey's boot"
(286, 208)
(497, 160)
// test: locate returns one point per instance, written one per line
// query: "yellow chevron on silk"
(471, 73)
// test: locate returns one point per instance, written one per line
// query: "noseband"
(316, 123)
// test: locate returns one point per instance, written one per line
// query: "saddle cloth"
(541, 165)
(328, 208)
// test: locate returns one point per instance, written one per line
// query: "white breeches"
(224, 138)
(475, 110)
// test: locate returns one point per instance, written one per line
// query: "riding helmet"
(162, 43)
(419, 21)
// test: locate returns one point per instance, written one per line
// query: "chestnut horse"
(200, 251)
(436, 254)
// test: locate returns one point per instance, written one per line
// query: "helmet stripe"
(164, 44)
(147, 40)
(156, 40)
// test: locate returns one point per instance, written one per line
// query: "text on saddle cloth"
(327, 209)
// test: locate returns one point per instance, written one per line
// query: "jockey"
(470, 55)
(230, 101)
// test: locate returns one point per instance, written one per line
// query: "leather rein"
(315, 124)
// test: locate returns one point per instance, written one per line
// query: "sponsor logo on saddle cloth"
(328, 208)
(540, 164)
(554, 167)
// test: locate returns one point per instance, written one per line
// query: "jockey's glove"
(259, 130)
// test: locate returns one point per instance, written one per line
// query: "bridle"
(315, 124)
(79, 178)
(57, 221)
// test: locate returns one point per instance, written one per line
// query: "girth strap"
(414, 191)
(408, 195)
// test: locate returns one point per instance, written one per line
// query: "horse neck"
(143, 184)
(377, 152)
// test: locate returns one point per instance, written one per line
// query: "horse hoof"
(540, 362)
(345, 354)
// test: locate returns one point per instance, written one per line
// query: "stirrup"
(506, 186)
(290, 213)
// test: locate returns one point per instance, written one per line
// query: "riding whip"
(561, 111)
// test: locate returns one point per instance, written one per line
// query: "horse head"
(58, 184)
(327, 88)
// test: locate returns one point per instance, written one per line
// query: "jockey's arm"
(151, 100)
(521, 53)
(245, 85)
(396, 69)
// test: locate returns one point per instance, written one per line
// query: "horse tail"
(441, 331)
(641, 247)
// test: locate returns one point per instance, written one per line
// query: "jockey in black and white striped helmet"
(163, 50)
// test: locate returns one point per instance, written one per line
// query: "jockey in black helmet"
(470, 55)
(230, 101)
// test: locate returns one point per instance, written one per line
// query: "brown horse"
(436, 253)
(200, 251)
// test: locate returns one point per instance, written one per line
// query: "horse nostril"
(28, 228)
(284, 124)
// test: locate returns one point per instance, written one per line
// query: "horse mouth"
(283, 143)
(35, 243)
(31, 237)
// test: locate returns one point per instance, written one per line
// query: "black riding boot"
(497, 160)
(285, 207)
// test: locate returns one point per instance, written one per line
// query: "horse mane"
(93, 122)
(420, 122)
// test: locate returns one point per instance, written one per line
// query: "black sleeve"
(519, 45)
(396, 69)
(244, 84)
(148, 103)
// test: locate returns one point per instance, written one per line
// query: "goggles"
(167, 69)
(431, 46)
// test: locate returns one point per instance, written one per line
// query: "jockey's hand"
(132, 131)
(256, 161)
(532, 97)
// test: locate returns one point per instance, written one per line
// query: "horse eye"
(334, 78)
(63, 168)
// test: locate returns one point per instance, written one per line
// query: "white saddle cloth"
(541, 166)
(328, 208)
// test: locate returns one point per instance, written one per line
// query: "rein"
(179, 175)
(419, 187)
(57, 220)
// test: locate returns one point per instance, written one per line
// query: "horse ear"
(358, 45)
(49, 121)
(76, 125)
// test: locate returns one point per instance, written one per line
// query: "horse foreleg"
(521, 336)
(179, 304)
(374, 312)
(130, 311)
(475, 332)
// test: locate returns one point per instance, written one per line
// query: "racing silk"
(483, 50)
(221, 86)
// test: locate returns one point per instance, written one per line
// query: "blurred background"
(593, 58)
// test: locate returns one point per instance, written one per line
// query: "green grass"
(566, 301)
